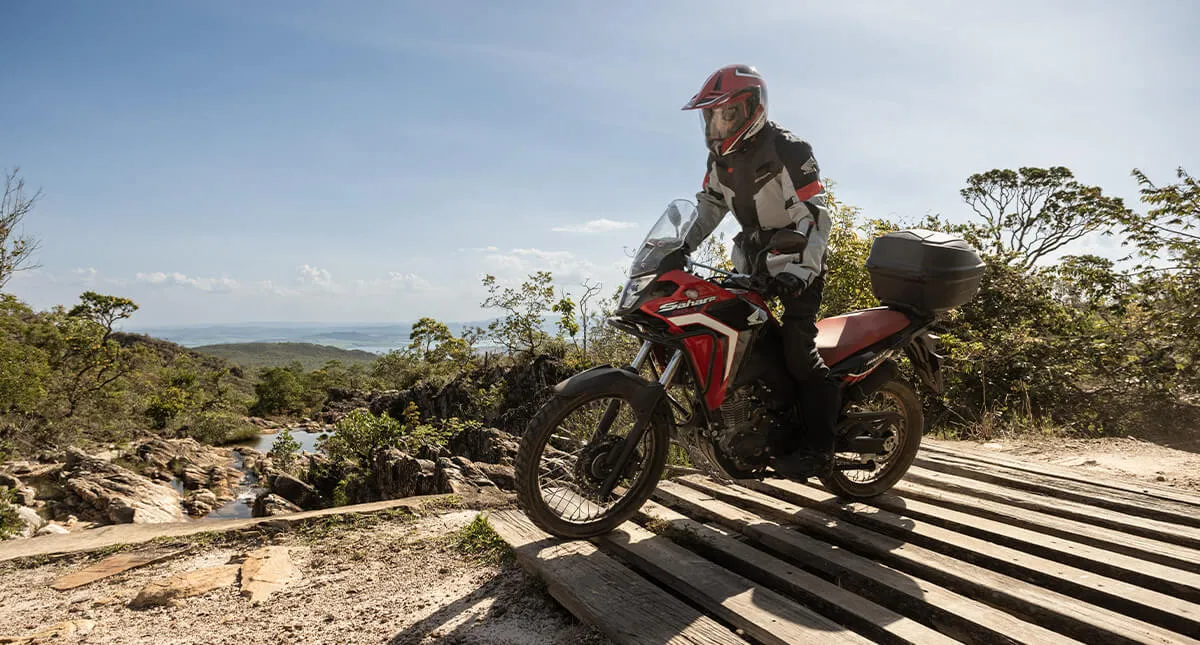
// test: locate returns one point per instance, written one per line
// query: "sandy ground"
(397, 581)
(1123, 458)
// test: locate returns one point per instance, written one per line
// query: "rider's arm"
(710, 209)
(805, 206)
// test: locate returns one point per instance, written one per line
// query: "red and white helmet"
(733, 106)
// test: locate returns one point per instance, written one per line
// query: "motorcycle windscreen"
(665, 237)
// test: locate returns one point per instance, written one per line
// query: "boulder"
(30, 521)
(201, 502)
(296, 492)
(268, 504)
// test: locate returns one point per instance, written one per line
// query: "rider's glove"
(784, 284)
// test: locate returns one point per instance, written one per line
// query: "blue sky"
(227, 161)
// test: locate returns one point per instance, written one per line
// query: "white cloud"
(601, 225)
(314, 276)
(159, 278)
(517, 263)
(87, 275)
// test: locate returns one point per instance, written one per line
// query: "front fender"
(642, 394)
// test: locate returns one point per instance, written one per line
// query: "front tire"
(843, 484)
(650, 458)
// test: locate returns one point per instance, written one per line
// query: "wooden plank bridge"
(969, 548)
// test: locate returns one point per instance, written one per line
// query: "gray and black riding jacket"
(772, 182)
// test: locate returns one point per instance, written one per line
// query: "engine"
(746, 428)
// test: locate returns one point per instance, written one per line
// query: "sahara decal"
(684, 304)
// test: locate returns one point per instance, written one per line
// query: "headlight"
(633, 288)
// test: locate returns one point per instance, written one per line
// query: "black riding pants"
(820, 396)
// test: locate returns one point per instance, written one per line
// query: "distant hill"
(310, 355)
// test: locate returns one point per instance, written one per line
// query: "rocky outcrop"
(118, 494)
(522, 388)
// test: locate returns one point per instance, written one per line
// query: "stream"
(241, 506)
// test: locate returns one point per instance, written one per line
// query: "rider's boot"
(820, 404)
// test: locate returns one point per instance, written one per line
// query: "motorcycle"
(709, 378)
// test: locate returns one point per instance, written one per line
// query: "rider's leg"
(820, 396)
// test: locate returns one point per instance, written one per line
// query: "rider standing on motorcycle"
(770, 180)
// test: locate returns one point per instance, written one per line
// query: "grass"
(479, 541)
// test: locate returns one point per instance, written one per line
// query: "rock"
(267, 505)
(10, 481)
(66, 629)
(297, 492)
(201, 502)
(30, 520)
(113, 565)
(170, 590)
(398, 474)
(502, 475)
(51, 529)
(452, 478)
(27, 496)
(487, 445)
(265, 571)
(118, 494)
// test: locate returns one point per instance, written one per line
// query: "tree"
(89, 359)
(521, 327)
(426, 337)
(1032, 212)
(590, 289)
(15, 251)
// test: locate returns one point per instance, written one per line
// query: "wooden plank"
(872, 620)
(1142, 548)
(1153, 529)
(763, 615)
(953, 614)
(605, 593)
(1053, 470)
(1160, 609)
(1182, 583)
(1129, 503)
(1059, 611)
(113, 565)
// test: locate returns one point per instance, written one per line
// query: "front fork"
(618, 459)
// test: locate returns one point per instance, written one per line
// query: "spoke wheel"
(562, 463)
(899, 450)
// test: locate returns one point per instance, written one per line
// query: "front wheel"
(561, 464)
(898, 453)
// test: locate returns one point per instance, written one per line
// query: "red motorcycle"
(710, 378)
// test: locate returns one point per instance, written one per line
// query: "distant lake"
(377, 338)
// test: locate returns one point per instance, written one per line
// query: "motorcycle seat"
(839, 337)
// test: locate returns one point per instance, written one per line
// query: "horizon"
(231, 163)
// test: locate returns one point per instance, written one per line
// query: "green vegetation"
(310, 356)
(1079, 344)
(10, 522)
(480, 541)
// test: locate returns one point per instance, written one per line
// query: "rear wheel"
(561, 465)
(899, 451)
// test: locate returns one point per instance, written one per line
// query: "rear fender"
(922, 353)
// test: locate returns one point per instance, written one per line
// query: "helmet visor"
(724, 121)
